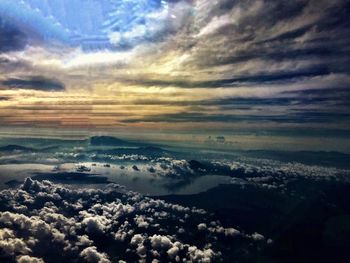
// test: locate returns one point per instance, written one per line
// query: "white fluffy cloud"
(78, 224)
(28, 259)
(91, 255)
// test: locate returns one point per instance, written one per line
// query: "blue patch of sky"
(88, 23)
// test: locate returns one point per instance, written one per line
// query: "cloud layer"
(43, 222)
(270, 64)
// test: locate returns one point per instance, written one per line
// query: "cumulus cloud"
(12, 245)
(91, 255)
(76, 224)
(28, 259)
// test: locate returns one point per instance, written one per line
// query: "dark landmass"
(148, 151)
(71, 178)
(111, 141)
(322, 158)
(13, 183)
(308, 224)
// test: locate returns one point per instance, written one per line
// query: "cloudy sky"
(175, 65)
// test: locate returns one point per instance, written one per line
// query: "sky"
(179, 66)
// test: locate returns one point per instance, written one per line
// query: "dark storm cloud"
(34, 83)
